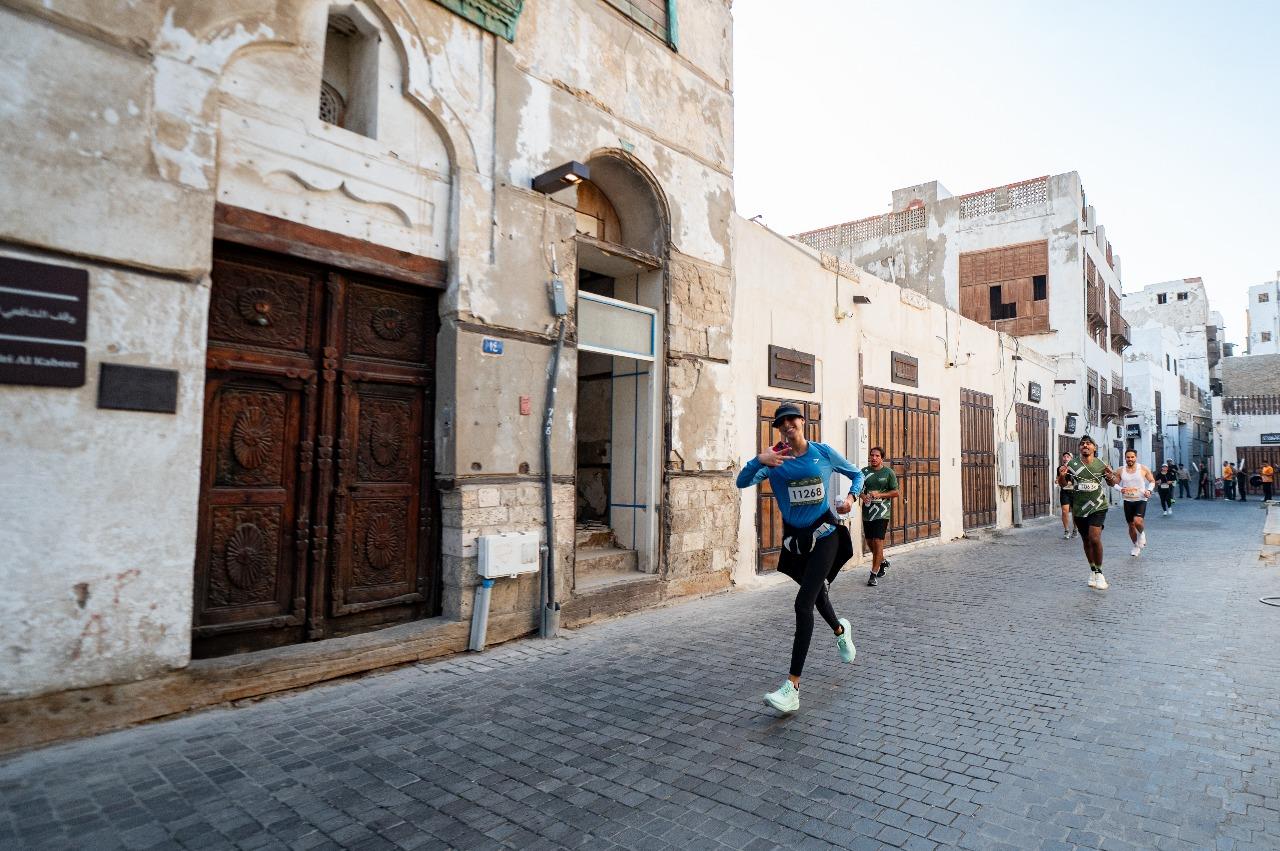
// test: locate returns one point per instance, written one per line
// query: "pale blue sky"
(1170, 111)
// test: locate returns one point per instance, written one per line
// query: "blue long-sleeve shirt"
(801, 484)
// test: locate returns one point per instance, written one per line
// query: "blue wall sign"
(491, 347)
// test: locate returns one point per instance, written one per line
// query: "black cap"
(786, 409)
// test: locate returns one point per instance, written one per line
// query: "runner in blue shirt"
(800, 473)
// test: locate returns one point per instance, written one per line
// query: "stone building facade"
(1246, 416)
(1262, 334)
(321, 318)
(1029, 259)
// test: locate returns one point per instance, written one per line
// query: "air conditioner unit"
(508, 554)
(856, 441)
(1008, 474)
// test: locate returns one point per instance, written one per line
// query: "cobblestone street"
(996, 702)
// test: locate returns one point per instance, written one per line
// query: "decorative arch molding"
(637, 197)
(189, 64)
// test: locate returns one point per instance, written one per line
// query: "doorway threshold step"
(607, 579)
(590, 561)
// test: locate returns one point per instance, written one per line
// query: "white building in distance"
(1262, 332)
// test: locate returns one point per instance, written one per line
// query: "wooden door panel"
(250, 565)
(377, 517)
(263, 304)
(1034, 460)
(387, 324)
(906, 426)
(978, 459)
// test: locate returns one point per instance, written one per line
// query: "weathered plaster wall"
(98, 508)
(891, 322)
(133, 118)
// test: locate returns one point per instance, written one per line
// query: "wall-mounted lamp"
(561, 177)
(861, 299)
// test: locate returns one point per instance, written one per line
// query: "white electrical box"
(1008, 472)
(855, 441)
(508, 554)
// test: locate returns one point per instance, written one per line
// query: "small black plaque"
(1033, 391)
(40, 300)
(41, 364)
(1133, 430)
(1271, 437)
(791, 369)
(138, 388)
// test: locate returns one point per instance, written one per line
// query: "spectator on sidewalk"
(1204, 491)
(1242, 481)
(1268, 478)
(1184, 481)
(1228, 480)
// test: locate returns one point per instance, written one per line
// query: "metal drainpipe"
(550, 623)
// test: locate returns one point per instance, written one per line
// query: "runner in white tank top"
(1135, 485)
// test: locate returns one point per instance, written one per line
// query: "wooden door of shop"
(1253, 457)
(1033, 459)
(906, 426)
(978, 458)
(317, 516)
(768, 517)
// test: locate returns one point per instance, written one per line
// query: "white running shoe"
(1102, 583)
(1136, 551)
(1093, 579)
(1142, 539)
(1066, 535)
(785, 699)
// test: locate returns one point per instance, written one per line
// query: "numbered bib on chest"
(810, 491)
(1086, 487)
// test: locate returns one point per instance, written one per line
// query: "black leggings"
(1166, 498)
(811, 572)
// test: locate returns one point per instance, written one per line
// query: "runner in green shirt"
(879, 487)
(1089, 477)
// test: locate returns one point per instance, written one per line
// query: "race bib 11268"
(806, 491)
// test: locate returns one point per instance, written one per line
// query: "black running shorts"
(1065, 496)
(1136, 508)
(874, 530)
(1097, 518)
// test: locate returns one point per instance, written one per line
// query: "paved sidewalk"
(996, 702)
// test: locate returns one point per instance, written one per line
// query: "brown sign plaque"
(39, 300)
(791, 369)
(905, 370)
(42, 364)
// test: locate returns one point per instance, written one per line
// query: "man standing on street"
(1242, 482)
(1184, 481)
(1228, 480)
(879, 486)
(1089, 505)
(1268, 473)
(1064, 499)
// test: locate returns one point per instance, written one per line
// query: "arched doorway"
(622, 237)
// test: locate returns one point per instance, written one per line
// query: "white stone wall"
(131, 124)
(1264, 318)
(894, 320)
(98, 507)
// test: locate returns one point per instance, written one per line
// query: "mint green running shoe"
(845, 642)
(785, 699)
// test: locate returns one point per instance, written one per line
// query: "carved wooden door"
(1034, 460)
(316, 512)
(978, 458)
(906, 426)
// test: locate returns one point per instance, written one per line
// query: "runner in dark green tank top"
(1090, 477)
